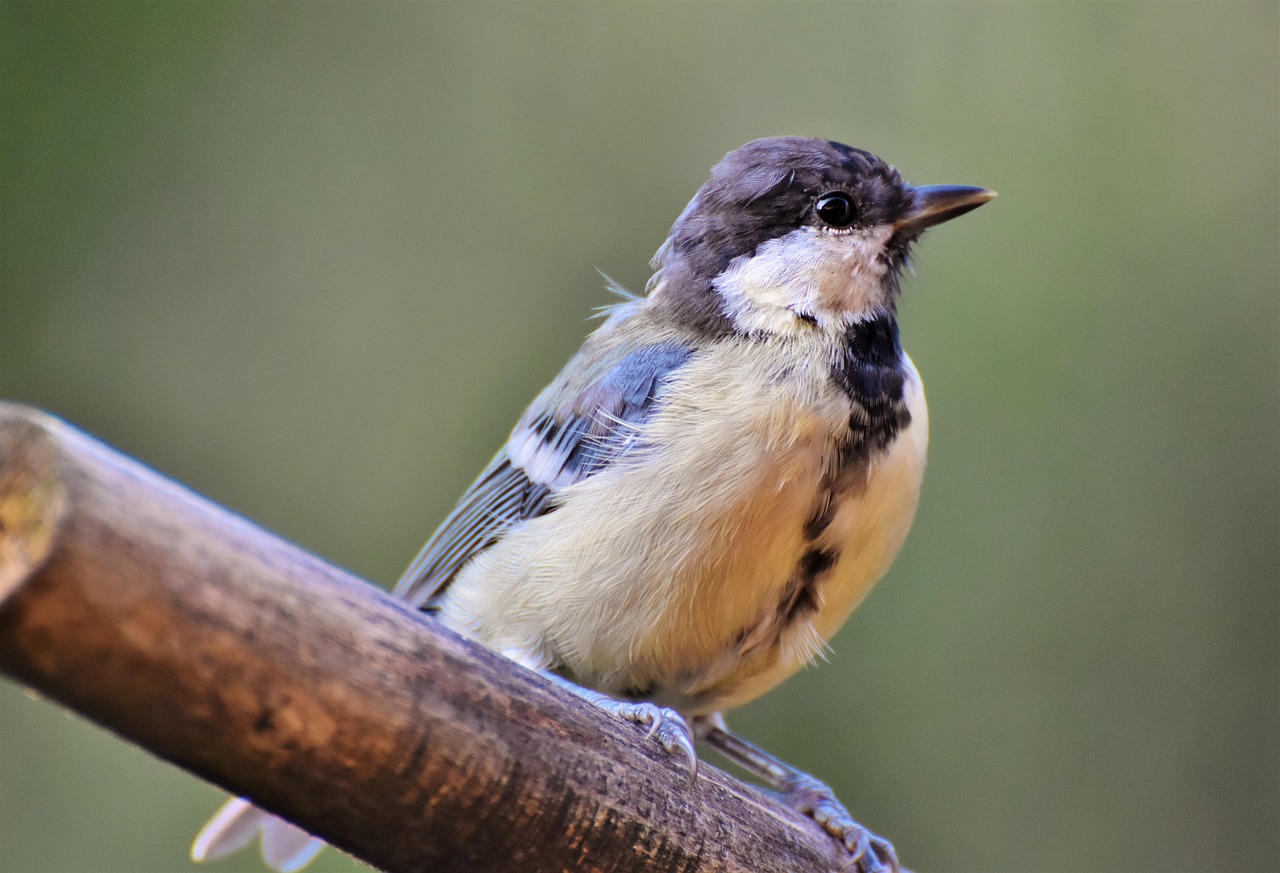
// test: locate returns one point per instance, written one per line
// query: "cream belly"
(685, 606)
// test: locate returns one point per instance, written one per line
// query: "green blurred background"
(314, 258)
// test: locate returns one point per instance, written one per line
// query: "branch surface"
(229, 652)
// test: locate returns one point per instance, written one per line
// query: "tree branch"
(233, 654)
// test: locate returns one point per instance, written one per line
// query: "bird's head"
(789, 233)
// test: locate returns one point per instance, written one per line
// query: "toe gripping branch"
(869, 853)
(667, 726)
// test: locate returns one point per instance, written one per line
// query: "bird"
(713, 483)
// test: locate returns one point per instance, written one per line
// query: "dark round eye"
(835, 209)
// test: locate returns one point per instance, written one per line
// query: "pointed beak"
(935, 204)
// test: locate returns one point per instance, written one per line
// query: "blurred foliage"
(313, 258)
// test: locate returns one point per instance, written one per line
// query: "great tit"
(713, 483)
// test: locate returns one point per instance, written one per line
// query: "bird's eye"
(835, 210)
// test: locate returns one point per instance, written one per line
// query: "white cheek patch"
(835, 278)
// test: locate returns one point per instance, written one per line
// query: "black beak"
(935, 204)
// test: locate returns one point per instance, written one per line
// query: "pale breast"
(667, 576)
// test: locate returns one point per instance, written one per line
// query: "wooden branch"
(233, 654)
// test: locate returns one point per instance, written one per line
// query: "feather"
(550, 450)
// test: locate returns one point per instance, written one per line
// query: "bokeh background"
(314, 258)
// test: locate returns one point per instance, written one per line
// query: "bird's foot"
(666, 725)
(868, 853)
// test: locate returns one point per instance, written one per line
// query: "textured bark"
(219, 647)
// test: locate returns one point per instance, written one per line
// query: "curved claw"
(868, 852)
(670, 729)
(669, 726)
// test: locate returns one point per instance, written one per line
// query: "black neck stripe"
(869, 369)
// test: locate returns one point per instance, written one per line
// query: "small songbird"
(714, 482)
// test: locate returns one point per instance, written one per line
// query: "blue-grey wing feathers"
(501, 496)
(551, 448)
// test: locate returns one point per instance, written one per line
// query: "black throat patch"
(869, 370)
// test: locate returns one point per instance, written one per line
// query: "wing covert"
(550, 449)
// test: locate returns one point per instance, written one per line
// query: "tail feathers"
(285, 846)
